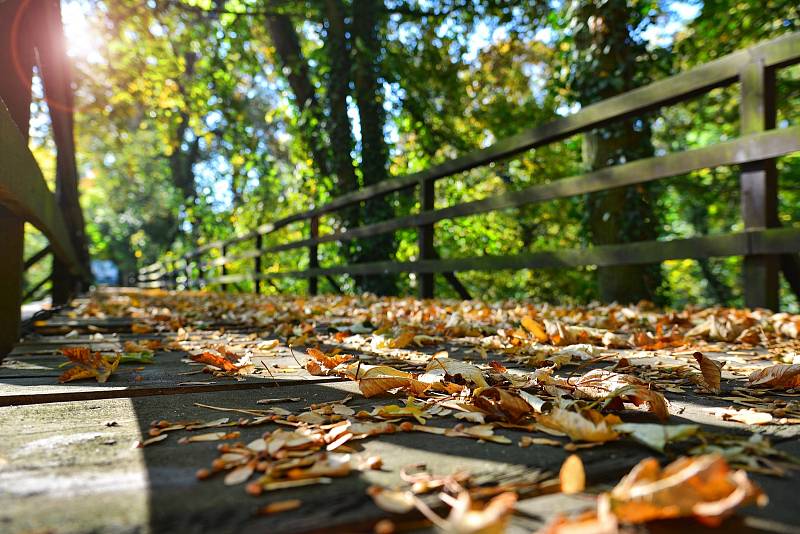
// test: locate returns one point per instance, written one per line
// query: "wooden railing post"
(256, 280)
(11, 228)
(224, 286)
(427, 189)
(759, 185)
(313, 254)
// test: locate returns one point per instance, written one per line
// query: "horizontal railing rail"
(755, 152)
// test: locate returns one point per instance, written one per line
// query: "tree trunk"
(287, 44)
(374, 152)
(610, 61)
(340, 130)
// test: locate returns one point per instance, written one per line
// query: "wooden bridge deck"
(68, 461)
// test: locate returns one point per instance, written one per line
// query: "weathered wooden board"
(65, 470)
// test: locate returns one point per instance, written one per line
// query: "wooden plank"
(34, 379)
(748, 148)
(24, 192)
(759, 186)
(97, 481)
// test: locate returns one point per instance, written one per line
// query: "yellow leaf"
(572, 475)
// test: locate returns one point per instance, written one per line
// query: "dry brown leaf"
(572, 475)
(602, 384)
(403, 340)
(779, 376)
(701, 486)
(502, 404)
(329, 362)
(467, 517)
(240, 475)
(748, 417)
(210, 436)
(88, 364)
(215, 360)
(375, 380)
(455, 367)
(150, 441)
(527, 441)
(591, 426)
(393, 501)
(711, 370)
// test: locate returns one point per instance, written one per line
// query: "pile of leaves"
(564, 377)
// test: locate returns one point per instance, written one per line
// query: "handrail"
(754, 68)
(25, 197)
(25, 193)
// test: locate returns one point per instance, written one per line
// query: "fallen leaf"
(572, 475)
(239, 475)
(779, 376)
(602, 384)
(280, 507)
(457, 367)
(215, 360)
(87, 364)
(579, 427)
(657, 436)
(467, 517)
(711, 370)
(701, 486)
(403, 340)
(748, 417)
(329, 362)
(150, 441)
(211, 436)
(502, 404)
(393, 501)
(535, 328)
(527, 441)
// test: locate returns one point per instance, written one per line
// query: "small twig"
(268, 371)
(291, 351)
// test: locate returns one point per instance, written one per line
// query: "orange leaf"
(215, 360)
(535, 328)
(403, 340)
(329, 362)
(702, 486)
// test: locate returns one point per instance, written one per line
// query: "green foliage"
(190, 129)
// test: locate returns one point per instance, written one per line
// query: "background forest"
(202, 119)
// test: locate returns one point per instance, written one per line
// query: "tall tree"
(367, 20)
(607, 58)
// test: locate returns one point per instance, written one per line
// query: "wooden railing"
(25, 197)
(762, 243)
